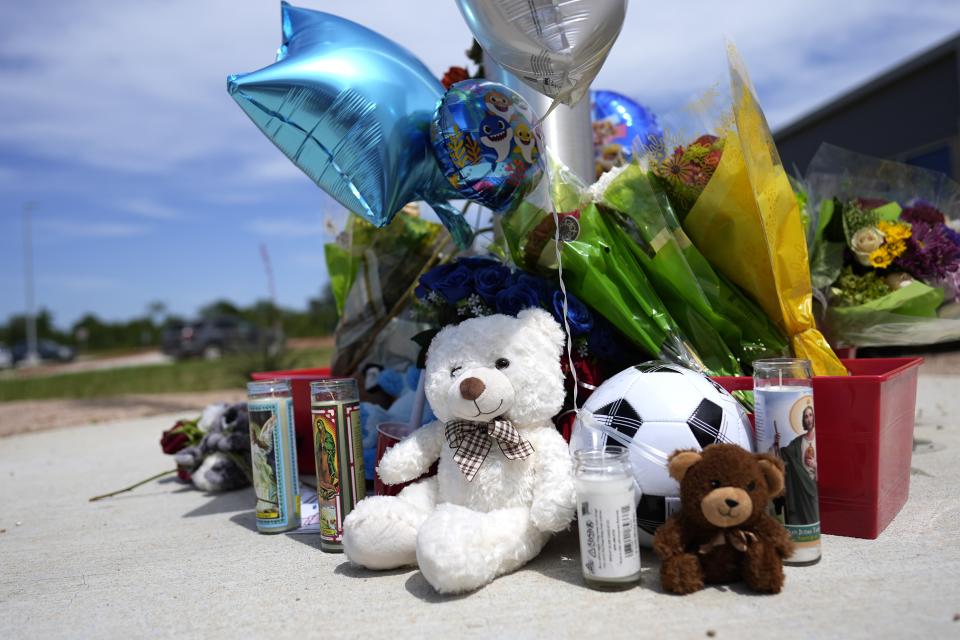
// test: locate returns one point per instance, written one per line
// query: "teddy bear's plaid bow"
(736, 538)
(472, 442)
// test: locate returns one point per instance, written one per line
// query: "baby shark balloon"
(352, 110)
(484, 140)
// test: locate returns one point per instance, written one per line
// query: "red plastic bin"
(864, 442)
(300, 380)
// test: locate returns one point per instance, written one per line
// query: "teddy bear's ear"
(773, 469)
(680, 462)
(543, 321)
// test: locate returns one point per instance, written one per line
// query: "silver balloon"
(567, 132)
(555, 46)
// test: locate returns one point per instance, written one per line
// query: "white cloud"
(83, 229)
(286, 227)
(272, 168)
(140, 87)
(798, 54)
(147, 208)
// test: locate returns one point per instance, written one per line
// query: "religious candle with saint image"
(338, 446)
(785, 427)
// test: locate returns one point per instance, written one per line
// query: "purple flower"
(516, 298)
(491, 280)
(578, 314)
(921, 211)
(931, 253)
(953, 235)
(453, 281)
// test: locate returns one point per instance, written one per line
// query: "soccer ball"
(653, 409)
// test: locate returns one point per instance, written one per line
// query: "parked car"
(211, 338)
(47, 350)
(6, 358)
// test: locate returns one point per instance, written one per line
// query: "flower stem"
(133, 486)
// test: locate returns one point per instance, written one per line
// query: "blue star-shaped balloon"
(352, 110)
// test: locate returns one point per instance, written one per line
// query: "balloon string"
(566, 322)
(553, 105)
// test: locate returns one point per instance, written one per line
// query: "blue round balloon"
(351, 109)
(618, 124)
(484, 140)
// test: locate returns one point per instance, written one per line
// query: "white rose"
(898, 280)
(864, 242)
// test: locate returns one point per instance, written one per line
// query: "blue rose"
(535, 284)
(578, 314)
(516, 298)
(452, 281)
(603, 342)
(478, 262)
(491, 280)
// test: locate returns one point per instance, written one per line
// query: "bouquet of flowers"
(884, 252)
(212, 452)
(372, 273)
(735, 202)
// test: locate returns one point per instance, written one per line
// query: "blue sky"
(149, 183)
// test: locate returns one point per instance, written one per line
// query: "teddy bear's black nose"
(472, 388)
(731, 503)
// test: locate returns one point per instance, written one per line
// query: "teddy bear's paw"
(551, 516)
(381, 533)
(681, 574)
(396, 467)
(459, 549)
(762, 569)
(449, 550)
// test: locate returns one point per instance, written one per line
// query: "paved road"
(167, 561)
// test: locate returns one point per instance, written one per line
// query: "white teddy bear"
(505, 479)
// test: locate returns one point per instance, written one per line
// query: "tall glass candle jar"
(785, 426)
(338, 446)
(273, 456)
(607, 518)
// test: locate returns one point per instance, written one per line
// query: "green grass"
(184, 376)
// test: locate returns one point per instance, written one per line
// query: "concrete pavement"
(168, 561)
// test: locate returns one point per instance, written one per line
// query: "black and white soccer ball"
(653, 409)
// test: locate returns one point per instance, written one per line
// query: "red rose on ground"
(173, 440)
(453, 76)
(183, 474)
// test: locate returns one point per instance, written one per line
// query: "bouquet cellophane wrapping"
(911, 315)
(747, 223)
(598, 267)
(728, 330)
(372, 272)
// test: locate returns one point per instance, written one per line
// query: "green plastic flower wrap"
(736, 204)
(599, 267)
(725, 327)
(885, 251)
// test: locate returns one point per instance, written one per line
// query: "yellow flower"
(896, 248)
(894, 231)
(880, 259)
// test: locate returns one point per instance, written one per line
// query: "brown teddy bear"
(723, 532)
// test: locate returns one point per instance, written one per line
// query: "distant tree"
(157, 311)
(16, 329)
(219, 308)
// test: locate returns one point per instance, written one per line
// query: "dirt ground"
(40, 415)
